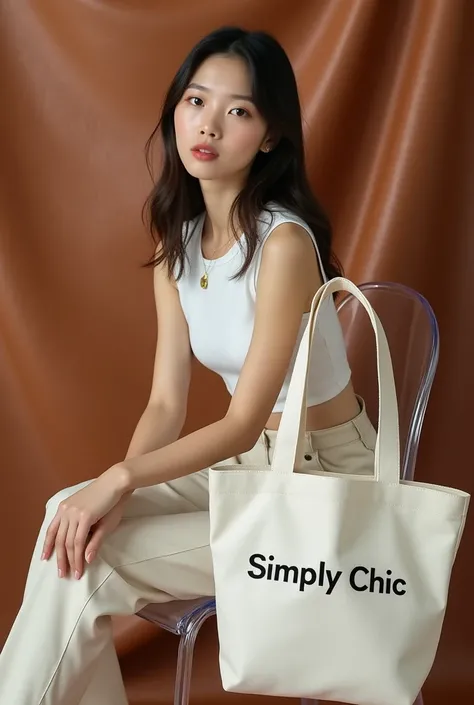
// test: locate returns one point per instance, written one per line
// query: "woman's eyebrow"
(234, 96)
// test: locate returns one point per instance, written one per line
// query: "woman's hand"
(83, 519)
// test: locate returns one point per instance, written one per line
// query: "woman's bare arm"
(288, 278)
(165, 413)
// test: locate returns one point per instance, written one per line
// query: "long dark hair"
(277, 176)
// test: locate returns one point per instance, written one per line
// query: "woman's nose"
(207, 132)
(210, 128)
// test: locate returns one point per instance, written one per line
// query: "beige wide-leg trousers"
(60, 649)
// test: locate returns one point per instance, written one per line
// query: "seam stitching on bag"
(348, 478)
(304, 496)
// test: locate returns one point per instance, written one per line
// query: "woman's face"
(219, 131)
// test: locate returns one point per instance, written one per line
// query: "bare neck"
(218, 199)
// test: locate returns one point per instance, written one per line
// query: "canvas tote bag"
(331, 586)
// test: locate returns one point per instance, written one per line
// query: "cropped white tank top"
(221, 318)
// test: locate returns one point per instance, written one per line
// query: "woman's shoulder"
(274, 215)
(291, 239)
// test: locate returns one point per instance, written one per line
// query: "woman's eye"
(194, 100)
(240, 112)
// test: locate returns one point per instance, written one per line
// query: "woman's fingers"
(95, 542)
(70, 530)
(70, 544)
(50, 538)
(105, 526)
(82, 532)
(60, 547)
(67, 535)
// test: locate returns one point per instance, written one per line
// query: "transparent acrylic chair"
(412, 333)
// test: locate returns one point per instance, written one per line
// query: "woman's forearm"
(157, 427)
(200, 449)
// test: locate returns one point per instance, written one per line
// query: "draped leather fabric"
(388, 96)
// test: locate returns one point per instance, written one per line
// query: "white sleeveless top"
(221, 317)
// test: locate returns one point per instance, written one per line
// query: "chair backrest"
(413, 337)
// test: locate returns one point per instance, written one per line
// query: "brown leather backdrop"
(387, 88)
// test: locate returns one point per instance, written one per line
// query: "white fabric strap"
(288, 446)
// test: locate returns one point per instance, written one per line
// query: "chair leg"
(184, 666)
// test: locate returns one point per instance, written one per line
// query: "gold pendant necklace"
(204, 280)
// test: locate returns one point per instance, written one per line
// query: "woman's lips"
(204, 153)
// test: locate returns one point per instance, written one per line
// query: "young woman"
(242, 246)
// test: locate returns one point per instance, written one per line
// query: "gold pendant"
(204, 281)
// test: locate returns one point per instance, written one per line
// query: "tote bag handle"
(289, 441)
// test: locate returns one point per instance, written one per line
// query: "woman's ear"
(269, 143)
